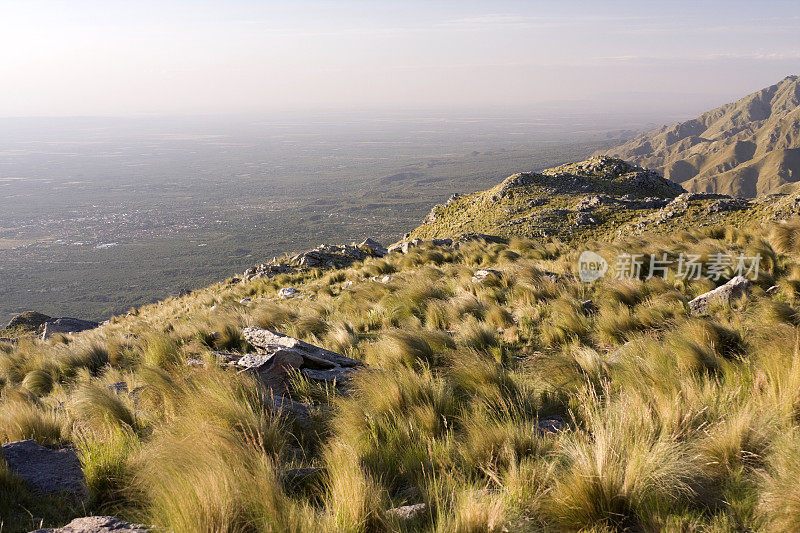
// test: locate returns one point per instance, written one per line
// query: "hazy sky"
(83, 57)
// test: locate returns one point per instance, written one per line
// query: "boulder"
(46, 470)
(97, 524)
(28, 320)
(66, 325)
(724, 294)
(551, 424)
(407, 512)
(278, 354)
(483, 274)
(287, 292)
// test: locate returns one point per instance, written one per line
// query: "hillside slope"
(746, 148)
(478, 385)
(601, 198)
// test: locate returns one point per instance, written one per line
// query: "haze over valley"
(100, 215)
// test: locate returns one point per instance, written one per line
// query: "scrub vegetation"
(504, 404)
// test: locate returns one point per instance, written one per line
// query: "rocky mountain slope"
(472, 383)
(746, 148)
(602, 198)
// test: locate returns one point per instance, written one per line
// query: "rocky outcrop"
(728, 204)
(66, 325)
(276, 355)
(405, 246)
(724, 294)
(589, 203)
(585, 219)
(436, 210)
(97, 524)
(46, 470)
(29, 320)
(323, 256)
(603, 174)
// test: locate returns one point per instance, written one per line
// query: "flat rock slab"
(268, 343)
(724, 294)
(47, 470)
(97, 524)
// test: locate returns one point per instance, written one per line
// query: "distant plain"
(98, 215)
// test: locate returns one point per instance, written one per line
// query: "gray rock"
(773, 290)
(287, 292)
(537, 202)
(583, 218)
(724, 294)
(472, 236)
(407, 245)
(587, 203)
(336, 374)
(278, 354)
(397, 247)
(268, 342)
(728, 204)
(66, 325)
(407, 512)
(120, 387)
(47, 470)
(551, 424)
(483, 274)
(300, 412)
(97, 524)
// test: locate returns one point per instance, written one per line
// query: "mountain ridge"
(600, 198)
(745, 148)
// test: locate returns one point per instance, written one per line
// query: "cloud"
(514, 21)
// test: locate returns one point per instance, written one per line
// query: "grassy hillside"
(745, 148)
(601, 198)
(504, 404)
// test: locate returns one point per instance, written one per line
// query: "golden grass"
(666, 421)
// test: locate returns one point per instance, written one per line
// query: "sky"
(111, 57)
